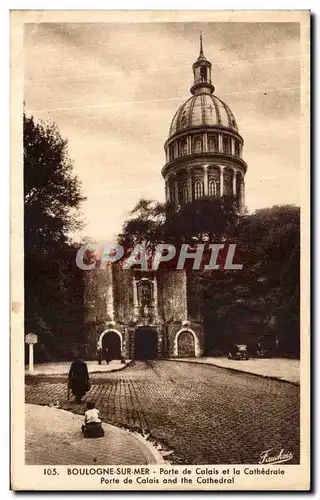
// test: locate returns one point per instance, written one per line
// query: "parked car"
(239, 352)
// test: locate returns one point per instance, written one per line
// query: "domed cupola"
(204, 148)
(202, 75)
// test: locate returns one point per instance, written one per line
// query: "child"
(92, 424)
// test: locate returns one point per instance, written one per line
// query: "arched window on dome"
(237, 148)
(198, 190)
(183, 147)
(213, 189)
(197, 145)
(227, 145)
(213, 144)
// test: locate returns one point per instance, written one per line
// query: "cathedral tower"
(204, 148)
(146, 314)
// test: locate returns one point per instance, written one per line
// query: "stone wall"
(123, 294)
(194, 296)
(172, 296)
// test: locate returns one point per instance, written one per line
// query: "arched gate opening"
(112, 342)
(186, 344)
(146, 340)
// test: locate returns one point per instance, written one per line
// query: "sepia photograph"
(160, 250)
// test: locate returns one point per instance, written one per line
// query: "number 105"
(50, 472)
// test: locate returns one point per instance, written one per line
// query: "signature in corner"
(272, 457)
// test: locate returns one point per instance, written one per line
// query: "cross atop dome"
(201, 48)
(201, 55)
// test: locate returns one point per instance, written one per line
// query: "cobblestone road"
(204, 413)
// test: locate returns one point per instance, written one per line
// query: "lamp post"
(31, 339)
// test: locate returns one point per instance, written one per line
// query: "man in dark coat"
(79, 378)
(107, 355)
(100, 355)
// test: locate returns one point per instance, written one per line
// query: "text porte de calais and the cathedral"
(144, 314)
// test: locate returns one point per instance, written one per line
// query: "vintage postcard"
(160, 251)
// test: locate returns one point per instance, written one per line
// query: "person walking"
(107, 355)
(100, 355)
(79, 378)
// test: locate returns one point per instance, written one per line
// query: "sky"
(113, 89)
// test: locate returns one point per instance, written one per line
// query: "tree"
(51, 190)
(52, 199)
(200, 221)
(262, 300)
(145, 225)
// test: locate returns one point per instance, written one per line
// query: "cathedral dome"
(204, 147)
(203, 110)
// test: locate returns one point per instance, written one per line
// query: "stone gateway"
(135, 325)
(145, 314)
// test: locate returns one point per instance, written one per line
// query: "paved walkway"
(62, 368)
(204, 413)
(54, 437)
(284, 369)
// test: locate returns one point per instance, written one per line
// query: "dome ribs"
(203, 109)
(216, 107)
(231, 119)
(183, 119)
(173, 126)
(193, 102)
